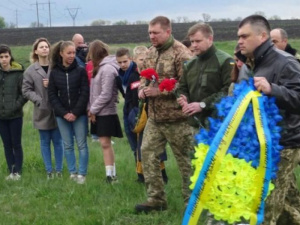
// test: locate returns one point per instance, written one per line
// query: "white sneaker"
(17, 176)
(73, 176)
(10, 177)
(50, 176)
(80, 179)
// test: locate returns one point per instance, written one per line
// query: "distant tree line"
(180, 19)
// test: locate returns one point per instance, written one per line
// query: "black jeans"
(11, 132)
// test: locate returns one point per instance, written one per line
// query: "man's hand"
(192, 108)
(182, 100)
(262, 85)
(142, 94)
(151, 91)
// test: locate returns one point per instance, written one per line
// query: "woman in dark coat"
(68, 92)
(11, 111)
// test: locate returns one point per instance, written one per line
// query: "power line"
(18, 5)
(37, 10)
(6, 8)
(73, 13)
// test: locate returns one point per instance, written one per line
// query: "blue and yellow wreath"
(233, 170)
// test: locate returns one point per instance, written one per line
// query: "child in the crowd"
(11, 111)
(103, 103)
(129, 71)
(35, 89)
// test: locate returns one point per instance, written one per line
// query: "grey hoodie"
(104, 91)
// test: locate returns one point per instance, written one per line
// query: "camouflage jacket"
(168, 63)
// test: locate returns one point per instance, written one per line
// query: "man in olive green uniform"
(166, 122)
(206, 77)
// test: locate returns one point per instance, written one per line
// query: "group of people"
(66, 95)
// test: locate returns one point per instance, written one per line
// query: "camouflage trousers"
(283, 205)
(156, 136)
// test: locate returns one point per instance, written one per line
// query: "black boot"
(164, 176)
(140, 178)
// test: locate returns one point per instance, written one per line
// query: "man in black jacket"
(277, 74)
(280, 39)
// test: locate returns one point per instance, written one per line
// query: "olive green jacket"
(206, 78)
(11, 98)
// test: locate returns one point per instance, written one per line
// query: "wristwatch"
(202, 105)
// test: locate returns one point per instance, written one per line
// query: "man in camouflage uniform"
(166, 122)
(277, 74)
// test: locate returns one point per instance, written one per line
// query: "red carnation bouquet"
(150, 75)
(167, 85)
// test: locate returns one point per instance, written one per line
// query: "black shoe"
(150, 206)
(140, 178)
(164, 176)
(140, 181)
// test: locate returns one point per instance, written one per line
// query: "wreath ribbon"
(217, 152)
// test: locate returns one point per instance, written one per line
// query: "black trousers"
(11, 132)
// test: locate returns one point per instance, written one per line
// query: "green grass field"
(36, 200)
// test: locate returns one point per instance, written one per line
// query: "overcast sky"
(24, 12)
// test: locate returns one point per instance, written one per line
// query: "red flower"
(150, 74)
(167, 85)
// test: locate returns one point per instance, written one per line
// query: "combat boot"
(150, 206)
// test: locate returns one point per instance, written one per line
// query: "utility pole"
(16, 18)
(49, 5)
(73, 13)
(37, 11)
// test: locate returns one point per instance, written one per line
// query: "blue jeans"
(45, 139)
(131, 137)
(68, 130)
(11, 133)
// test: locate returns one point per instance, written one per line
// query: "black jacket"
(292, 51)
(131, 94)
(283, 73)
(68, 90)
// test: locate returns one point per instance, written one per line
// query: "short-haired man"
(206, 77)
(166, 122)
(277, 74)
(81, 49)
(280, 39)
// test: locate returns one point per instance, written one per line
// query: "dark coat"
(283, 73)
(68, 90)
(131, 95)
(11, 98)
